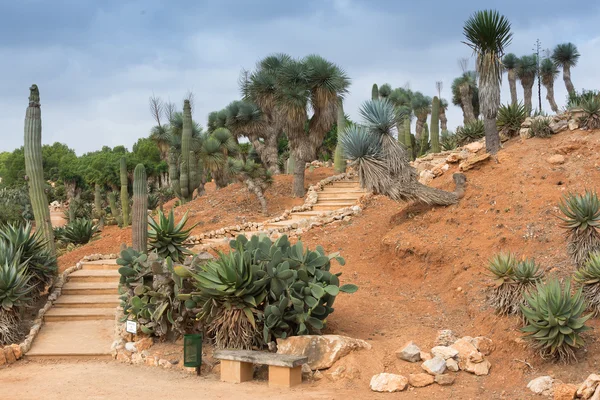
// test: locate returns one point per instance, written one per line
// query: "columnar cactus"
(98, 212)
(114, 210)
(375, 92)
(290, 165)
(139, 224)
(435, 125)
(124, 193)
(34, 168)
(408, 139)
(424, 140)
(339, 161)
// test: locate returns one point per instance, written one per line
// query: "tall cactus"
(374, 92)
(124, 192)
(339, 161)
(34, 168)
(290, 165)
(139, 224)
(114, 210)
(408, 139)
(98, 212)
(435, 125)
(424, 146)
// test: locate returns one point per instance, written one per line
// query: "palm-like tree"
(488, 34)
(214, 153)
(510, 62)
(548, 73)
(465, 94)
(421, 106)
(565, 56)
(383, 164)
(443, 118)
(526, 72)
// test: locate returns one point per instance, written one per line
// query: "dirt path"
(111, 380)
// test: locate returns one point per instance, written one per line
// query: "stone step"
(328, 189)
(87, 301)
(341, 196)
(94, 276)
(305, 215)
(100, 265)
(341, 202)
(331, 206)
(90, 288)
(73, 340)
(343, 185)
(79, 314)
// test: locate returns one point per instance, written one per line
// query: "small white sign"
(131, 327)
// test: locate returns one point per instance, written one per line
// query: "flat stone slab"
(73, 339)
(261, 357)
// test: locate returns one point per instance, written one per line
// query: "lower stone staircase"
(81, 322)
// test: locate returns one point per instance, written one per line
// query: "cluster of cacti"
(139, 224)
(339, 161)
(34, 168)
(114, 210)
(283, 288)
(435, 125)
(124, 192)
(185, 176)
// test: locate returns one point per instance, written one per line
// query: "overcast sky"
(97, 62)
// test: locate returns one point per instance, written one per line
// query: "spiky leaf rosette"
(589, 277)
(166, 238)
(15, 293)
(591, 113)
(555, 320)
(80, 231)
(470, 132)
(581, 220)
(510, 118)
(502, 269)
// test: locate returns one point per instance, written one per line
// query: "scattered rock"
(151, 361)
(541, 385)
(527, 123)
(144, 344)
(17, 351)
(322, 350)
(425, 177)
(385, 382)
(474, 147)
(452, 365)
(165, 364)
(410, 352)
(588, 386)
(425, 356)
(453, 158)
(420, 380)
(2, 358)
(484, 345)
(556, 159)
(444, 352)
(525, 133)
(475, 357)
(317, 375)
(130, 347)
(471, 162)
(565, 392)
(445, 337)
(123, 357)
(480, 368)
(559, 126)
(10, 356)
(435, 366)
(573, 124)
(464, 348)
(444, 380)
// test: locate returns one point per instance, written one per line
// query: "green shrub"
(540, 127)
(471, 132)
(581, 221)
(263, 290)
(575, 100)
(166, 238)
(80, 231)
(15, 294)
(591, 113)
(15, 206)
(510, 117)
(555, 320)
(589, 277)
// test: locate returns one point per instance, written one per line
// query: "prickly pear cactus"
(139, 224)
(34, 168)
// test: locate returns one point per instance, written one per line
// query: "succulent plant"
(540, 127)
(581, 221)
(470, 132)
(435, 125)
(589, 277)
(166, 238)
(591, 113)
(80, 231)
(555, 320)
(510, 118)
(124, 191)
(139, 217)
(15, 294)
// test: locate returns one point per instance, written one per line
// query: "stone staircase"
(81, 322)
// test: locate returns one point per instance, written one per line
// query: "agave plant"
(555, 320)
(502, 269)
(166, 238)
(540, 127)
(589, 277)
(41, 265)
(448, 141)
(15, 290)
(591, 113)
(153, 201)
(80, 231)
(470, 132)
(581, 220)
(510, 118)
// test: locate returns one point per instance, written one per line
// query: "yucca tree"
(216, 149)
(443, 118)
(548, 73)
(421, 106)
(312, 84)
(488, 34)
(465, 94)
(526, 72)
(385, 91)
(510, 63)
(383, 164)
(565, 56)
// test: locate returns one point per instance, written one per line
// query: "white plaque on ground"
(131, 327)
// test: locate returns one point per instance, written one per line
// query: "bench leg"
(236, 371)
(284, 377)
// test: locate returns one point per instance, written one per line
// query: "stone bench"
(284, 370)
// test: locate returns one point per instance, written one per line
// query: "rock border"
(13, 352)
